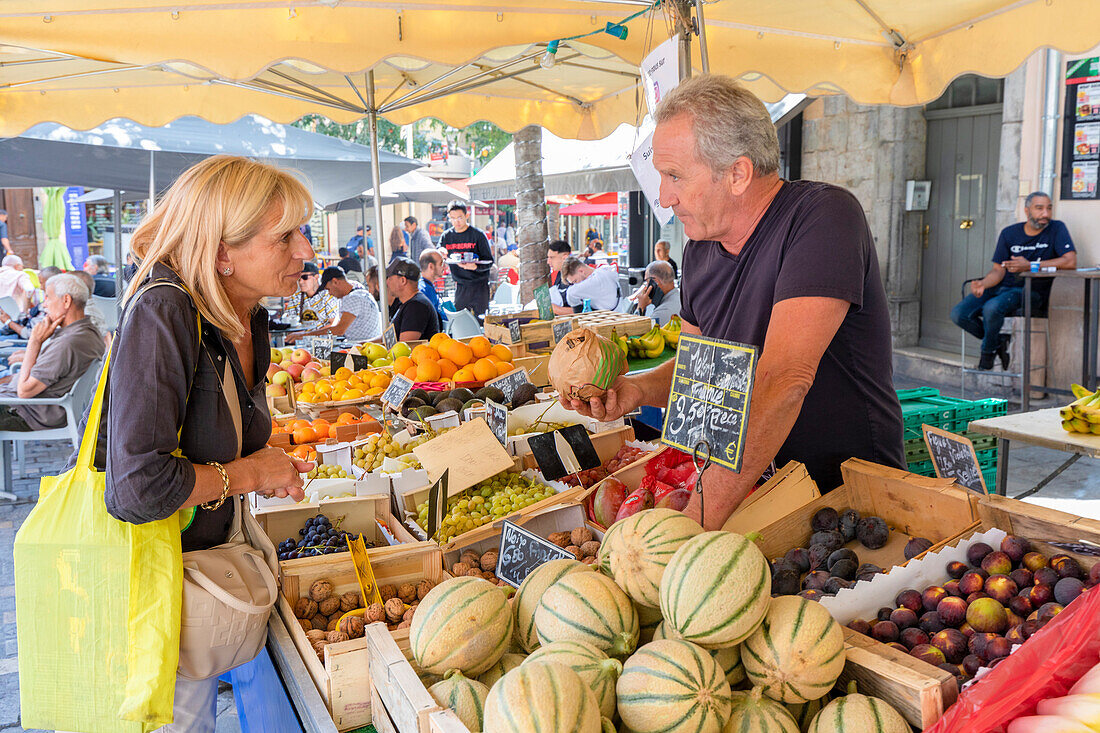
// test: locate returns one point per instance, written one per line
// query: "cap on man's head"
(330, 274)
(405, 268)
(358, 230)
(309, 268)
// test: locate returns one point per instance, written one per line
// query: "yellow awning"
(79, 62)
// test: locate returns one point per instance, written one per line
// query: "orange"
(320, 424)
(503, 368)
(484, 369)
(439, 338)
(354, 380)
(342, 373)
(447, 368)
(456, 352)
(297, 424)
(480, 346)
(353, 394)
(493, 358)
(308, 388)
(304, 435)
(301, 453)
(346, 418)
(410, 373)
(402, 364)
(428, 371)
(332, 430)
(338, 394)
(465, 374)
(423, 353)
(379, 380)
(376, 390)
(501, 352)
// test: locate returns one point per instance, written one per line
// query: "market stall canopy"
(589, 208)
(80, 62)
(418, 188)
(117, 154)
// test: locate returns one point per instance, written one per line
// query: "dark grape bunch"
(318, 537)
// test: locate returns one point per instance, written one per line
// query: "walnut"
(470, 557)
(395, 609)
(335, 637)
(332, 623)
(320, 590)
(580, 535)
(561, 539)
(375, 612)
(459, 569)
(407, 592)
(350, 601)
(575, 550)
(305, 608)
(315, 635)
(423, 588)
(319, 647)
(306, 625)
(491, 578)
(352, 627)
(404, 624)
(474, 573)
(387, 592)
(489, 560)
(590, 560)
(409, 614)
(318, 621)
(329, 606)
(590, 548)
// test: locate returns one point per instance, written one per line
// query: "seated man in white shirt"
(659, 278)
(599, 285)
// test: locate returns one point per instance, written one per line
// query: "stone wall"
(872, 151)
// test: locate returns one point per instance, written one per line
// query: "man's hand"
(643, 297)
(44, 329)
(977, 288)
(468, 265)
(1017, 264)
(623, 397)
(292, 337)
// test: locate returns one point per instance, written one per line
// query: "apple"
(314, 365)
(326, 371)
(285, 363)
(310, 375)
(282, 377)
(374, 351)
(276, 390)
(276, 356)
(383, 362)
(295, 371)
(273, 370)
(301, 356)
(400, 349)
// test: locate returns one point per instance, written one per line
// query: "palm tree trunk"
(530, 212)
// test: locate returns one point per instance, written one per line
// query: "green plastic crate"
(922, 468)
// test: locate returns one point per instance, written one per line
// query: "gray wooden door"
(962, 160)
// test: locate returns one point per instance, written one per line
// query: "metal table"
(1090, 313)
(1042, 428)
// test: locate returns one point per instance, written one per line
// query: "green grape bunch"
(322, 470)
(485, 502)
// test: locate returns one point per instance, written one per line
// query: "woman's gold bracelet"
(211, 505)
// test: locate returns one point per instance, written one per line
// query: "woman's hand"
(277, 474)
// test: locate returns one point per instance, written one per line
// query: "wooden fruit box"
(399, 700)
(342, 678)
(356, 514)
(540, 334)
(537, 366)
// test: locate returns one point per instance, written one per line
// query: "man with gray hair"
(99, 268)
(50, 368)
(658, 297)
(786, 266)
(15, 283)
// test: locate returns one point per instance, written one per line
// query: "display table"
(312, 713)
(635, 365)
(1041, 428)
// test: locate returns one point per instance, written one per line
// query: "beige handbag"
(228, 590)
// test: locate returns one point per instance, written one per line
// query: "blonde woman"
(227, 235)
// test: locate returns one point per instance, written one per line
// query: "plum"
(903, 618)
(913, 636)
(825, 519)
(997, 563)
(1066, 567)
(885, 631)
(976, 552)
(1034, 560)
(931, 623)
(872, 532)
(1015, 547)
(607, 500)
(832, 539)
(915, 546)
(1046, 576)
(800, 558)
(928, 653)
(845, 569)
(1066, 589)
(986, 614)
(956, 569)
(952, 611)
(932, 596)
(972, 582)
(1022, 577)
(952, 643)
(1002, 588)
(860, 627)
(909, 598)
(847, 524)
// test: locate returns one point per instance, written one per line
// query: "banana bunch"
(1083, 414)
(648, 346)
(671, 332)
(620, 341)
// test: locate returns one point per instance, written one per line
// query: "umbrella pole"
(704, 56)
(376, 176)
(118, 251)
(152, 187)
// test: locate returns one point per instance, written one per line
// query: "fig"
(883, 613)
(997, 563)
(833, 585)
(1022, 577)
(872, 532)
(830, 538)
(967, 629)
(986, 614)
(1067, 589)
(1015, 547)
(1066, 567)
(915, 546)
(1040, 594)
(898, 646)
(997, 647)
(849, 520)
(1029, 628)
(903, 618)
(860, 627)
(952, 611)
(975, 596)
(811, 594)
(607, 500)
(638, 500)
(976, 552)
(954, 669)
(1012, 618)
(842, 554)
(868, 568)
(932, 596)
(956, 569)
(1034, 560)
(1015, 634)
(845, 569)
(952, 643)
(800, 558)
(1046, 576)
(781, 564)
(1048, 611)
(912, 637)
(930, 622)
(1020, 606)
(815, 580)
(928, 653)
(909, 598)
(1001, 588)
(785, 583)
(675, 500)
(825, 519)
(972, 582)
(952, 588)
(971, 664)
(885, 631)
(819, 554)
(1094, 575)
(976, 643)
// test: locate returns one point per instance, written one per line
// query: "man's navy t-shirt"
(1053, 241)
(416, 314)
(813, 241)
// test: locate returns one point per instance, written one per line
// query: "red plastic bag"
(1046, 666)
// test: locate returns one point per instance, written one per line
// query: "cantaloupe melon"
(715, 589)
(506, 664)
(588, 607)
(641, 548)
(530, 593)
(603, 555)
(728, 658)
(466, 697)
(673, 686)
(855, 713)
(648, 620)
(545, 697)
(754, 713)
(597, 670)
(797, 653)
(805, 712)
(464, 624)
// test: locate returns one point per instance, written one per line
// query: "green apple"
(374, 351)
(276, 356)
(383, 362)
(400, 349)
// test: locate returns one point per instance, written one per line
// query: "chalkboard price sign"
(953, 457)
(399, 389)
(355, 362)
(515, 331)
(522, 551)
(564, 452)
(389, 337)
(542, 299)
(497, 417)
(709, 399)
(561, 329)
(510, 382)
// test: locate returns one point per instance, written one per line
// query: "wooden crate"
(537, 335)
(399, 700)
(359, 513)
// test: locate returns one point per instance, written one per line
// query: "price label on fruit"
(953, 457)
(389, 337)
(522, 551)
(496, 415)
(399, 389)
(510, 382)
(709, 399)
(562, 328)
(542, 300)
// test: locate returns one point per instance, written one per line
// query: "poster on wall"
(1081, 129)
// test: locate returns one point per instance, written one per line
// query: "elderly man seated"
(100, 269)
(49, 369)
(598, 285)
(658, 297)
(15, 283)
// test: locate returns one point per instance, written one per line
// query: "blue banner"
(76, 226)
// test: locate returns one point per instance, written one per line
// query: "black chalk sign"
(510, 382)
(399, 389)
(953, 457)
(709, 399)
(562, 328)
(515, 331)
(497, 417)
(564, 452)
(522, 551)
(389, 337)
(354, 362)
(437, 503)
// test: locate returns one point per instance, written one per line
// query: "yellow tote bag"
(97, 605)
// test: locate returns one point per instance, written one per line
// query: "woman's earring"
(227, 271)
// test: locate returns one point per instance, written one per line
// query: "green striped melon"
(728, 658)
(673, 686)
(805, 712)
(797, 653)
(754, 713)
(716, 589)
(642, 547)
(464, 624)
(530, 593)
(603, 555)
(597, 670)
(648, 620)
(544, 697)
(466, 697)
(588, 607)
(506, 664)
(855, 713)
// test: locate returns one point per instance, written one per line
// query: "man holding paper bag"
(787, 266)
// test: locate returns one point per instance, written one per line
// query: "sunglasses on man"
(308, 275)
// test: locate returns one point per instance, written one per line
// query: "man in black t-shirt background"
(787, 266)
(471, 277)
(415, 318)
